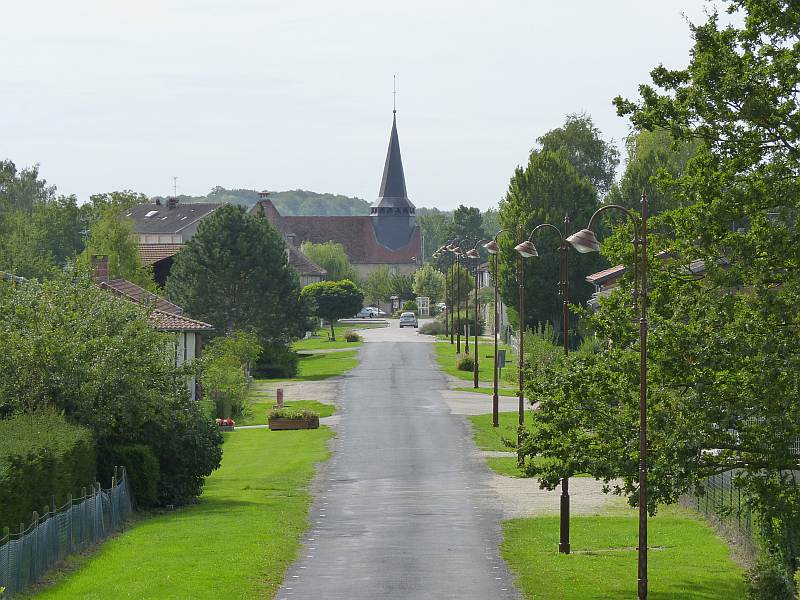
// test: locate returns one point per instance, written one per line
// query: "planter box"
(226, 427)
(285, 424)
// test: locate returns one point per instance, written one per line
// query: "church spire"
(393, 183)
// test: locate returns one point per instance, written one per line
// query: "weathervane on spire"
(394, 94)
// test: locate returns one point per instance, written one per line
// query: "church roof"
(393, 184)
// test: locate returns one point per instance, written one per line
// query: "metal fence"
(81, 522)
(725, 502)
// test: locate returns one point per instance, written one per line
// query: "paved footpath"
(404, 510)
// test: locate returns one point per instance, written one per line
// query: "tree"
(434, 225)
(378, 286)
(333, 300)
(402, 285)
(68, 345)
(233, 273)
(722, 347)
(224, 368)
(332, 257)
(580, 141)
(654, 159)
(467, 224)
(429, 282)
(546, 190)
(113, 234)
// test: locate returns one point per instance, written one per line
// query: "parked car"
(369, 312)
(441, 306)
(408, 319)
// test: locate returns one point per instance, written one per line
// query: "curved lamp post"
(455, 249)
(451, 248)
(493, 249)
(475, 255)
(527, 250)
(586, 241)
(440, 253)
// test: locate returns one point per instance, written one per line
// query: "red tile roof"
(152, 253)
(603, 276)
(304, 265)
(131, 291)
(170, 322)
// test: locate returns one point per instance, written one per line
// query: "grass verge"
(494, 438)
(446, 357)
(686, 558)
(236, 542)
(260, 406)
(320, 341)
(488, 391)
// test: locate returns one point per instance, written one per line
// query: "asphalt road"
(403, 510)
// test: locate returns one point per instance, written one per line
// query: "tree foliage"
(233, 273)
(545, 191)
(723, 354)
(467, 224)
(378, 285)
(332, 257)
(333, 300)
(429, 282)
(224, 369)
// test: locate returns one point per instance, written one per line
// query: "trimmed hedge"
(41, 456)
(140, 464)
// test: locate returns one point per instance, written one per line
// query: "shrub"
(465, 362)
(288, 413)
(351, 336)
(141, 466)
(188, 448)
(41, 456)
(410, 305)
(276, 361)
(432, 328)
(769, 580)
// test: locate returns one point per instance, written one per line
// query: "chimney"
(172, 202)
(100, 268)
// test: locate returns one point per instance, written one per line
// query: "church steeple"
(393, 213)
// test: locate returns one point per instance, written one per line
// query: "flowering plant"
(226, 422)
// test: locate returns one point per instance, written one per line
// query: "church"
(389, 236)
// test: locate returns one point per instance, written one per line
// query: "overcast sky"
(109, 95)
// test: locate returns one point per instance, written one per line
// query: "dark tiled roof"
(304, 265)
(131, 291)
(602, 276)
(152, 253)
(166, 220)
(165, 321)
(357, 236)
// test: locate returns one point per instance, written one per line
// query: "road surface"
(403, 509)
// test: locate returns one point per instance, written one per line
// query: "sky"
(107, 95)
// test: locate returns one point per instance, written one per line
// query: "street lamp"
(476, 256)
(493, 249)
(586, 241)
(440, 253)
(450, 248)
(527, 250)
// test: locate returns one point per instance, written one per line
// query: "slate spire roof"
(393, 184)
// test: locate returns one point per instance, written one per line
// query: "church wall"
(364, 269)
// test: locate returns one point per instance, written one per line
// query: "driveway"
(404, 509)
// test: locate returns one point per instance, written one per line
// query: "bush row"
(42, 457)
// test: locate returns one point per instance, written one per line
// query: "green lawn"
(446, 356)
(313, 367)
(687, 561)
(320, 339)
(491, 438)
(259, 407)
(236, 542)
(507, 465)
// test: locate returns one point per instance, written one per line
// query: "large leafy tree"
(233, 273)
(582, 144)
(333, 300)
(429, 282)
(378, 285)
(332, 257)
(435, 229)
(723, 351)
(467, 224)
(546, 190)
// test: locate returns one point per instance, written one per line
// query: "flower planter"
(285, 424)
(226, 428)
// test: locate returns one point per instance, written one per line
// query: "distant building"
(389, 236)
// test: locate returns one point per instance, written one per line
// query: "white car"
(408, 319)
(370, 312)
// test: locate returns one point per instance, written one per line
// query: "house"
(165, 316)
(387, 237)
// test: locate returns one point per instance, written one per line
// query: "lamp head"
(584, 241)
(450, 247)
(526, 249)
(473, 253)
(492, 247)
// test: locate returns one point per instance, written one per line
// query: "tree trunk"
(333, 332)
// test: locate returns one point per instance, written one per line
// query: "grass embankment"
(446, 356)
(320, 340)
(237, 542)
(315, 367)
(686, 559)
(259, 407)
(488, 391)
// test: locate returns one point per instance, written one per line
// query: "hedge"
(42, 457)
(141, 466)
